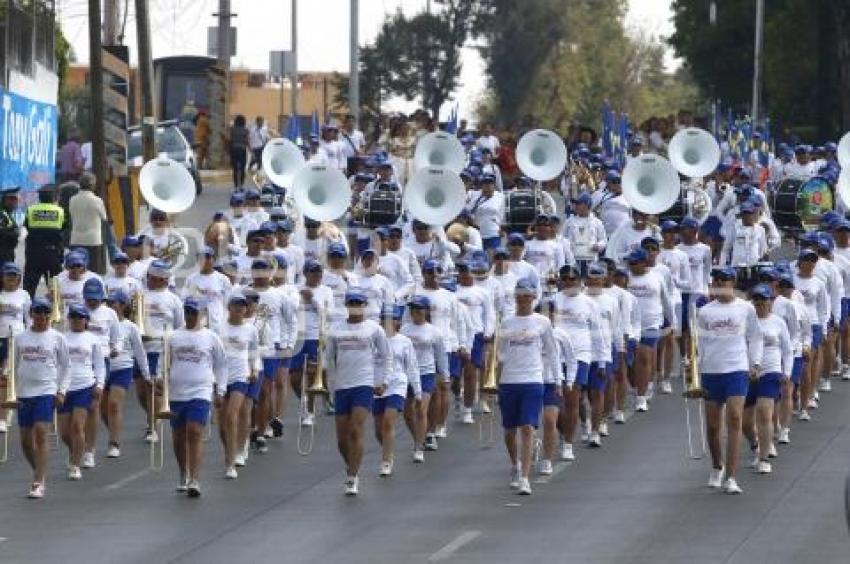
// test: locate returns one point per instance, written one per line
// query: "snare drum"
(521, 209)
(383, 207)
(748, 276)
(798, 205)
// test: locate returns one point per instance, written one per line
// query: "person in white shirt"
(395, 245)
(628, 236)
(403, 377)
(428, 243)
(610, 205)
(517, 264)
(258, 136)
(41, 381)
(294, 254)
(502, 275)
(525, 340)
(487, 140)
(87, 375)
(831, 271)
(585, 232)
(670, 327)
(817, 301)
(358, 360)
(730, 345)
(72, 279)
(699, 262)
(87, 214)
(14, 319)
(394, 267)
(242, 357)
(119, 278)
(330, 149)
(378, 289)
(790, 307)
(745, 244)
(841, 233)
(351, 140)
(211, 287)
(553, 398)
(544, 253)
(131, 352)
(241, 223)
(801, 167)
(677, 262)
(487, 207)
(776, 366)
(198, 371)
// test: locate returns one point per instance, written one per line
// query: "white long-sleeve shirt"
(41, 363)
(310, 313)
(778, 353)
(629, 318)
(380, 292)
(699, 261)
(508, 282)
(163, 312)
(626, 239)
(586, 235)
(523, 343)
(729, 337)
(677, 261)
(85, 361)
(546, 257)
(569, 363)
(213, 289)
(488, 212)
(653, 301)
(430, 348)
(277, 312)
(241, 349)
(14, 312)
(103, 324)
(579, 317)
(830, 275)
(405, 368)
(357, 354)
(744, 245)
(130, 349)
(446, 316)
(398, 273)
(610, 323)
(815, 298)
(197, 362)
(128, 284)
(339, 283)
(788, 312)
(480, 305)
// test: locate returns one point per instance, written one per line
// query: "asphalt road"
(638, 499)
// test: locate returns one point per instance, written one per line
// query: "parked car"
(169, 140)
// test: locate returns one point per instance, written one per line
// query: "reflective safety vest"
(45, 216)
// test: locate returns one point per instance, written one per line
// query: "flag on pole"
(293, 129)
(314, 124)
(451, 124)
(607, 129)
(622, 140)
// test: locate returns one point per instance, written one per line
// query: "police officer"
(45, 223)
(9, 230)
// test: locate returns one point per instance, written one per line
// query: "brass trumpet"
(10, 401)
(312, 385)
(489, 388)
(693, 392)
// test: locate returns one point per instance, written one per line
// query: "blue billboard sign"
(28, 131)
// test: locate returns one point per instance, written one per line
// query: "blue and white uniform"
(358, 359)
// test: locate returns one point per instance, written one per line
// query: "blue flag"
(451, 125)
(607, 130)
(293, 129)
(314, 124)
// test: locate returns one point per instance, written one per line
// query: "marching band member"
(139, 253)
(841, 253)
(131, 351)
(817, 302)
(625, 343)
(610, 205)
(240, 223)
(670, 326)
(629, 235)
(730, 345)
(211, 287)
(316, 241)
(86, 372)
(358, 362)
(394, 267)
(553, 401)
(338, 279)
(790, 306)
(119, 277)
(15, 304)
(431, 244)
(506, 279)
(432, 357)
(517, 264)
(487, 207)
(254, 207)
(72, 279)
(166, 242)
(395, 235)
(293, 253)
(404, 375)
(253, 251)
(241, 349)
(198, 370)
(543, 253)
(490, 168)
(699, 262)
(42, 378)
(831, 274)
(677, 262)
(744, 244)
(585, 231)
(524, 340)
(482, 313)
(163, 314)
(376, 286)
(776, 366)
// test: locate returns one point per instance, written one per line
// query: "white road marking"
(124, 481)
(3, 539)
(462, 539)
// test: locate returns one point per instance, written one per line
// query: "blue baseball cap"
(120, 258)
(130, 241)
(668, 225)
(830, 147)
(597, 270)
(284, 225)
(419, 302)
(487, 178)
(689, 223)
(448, 284)
(395, 312)
(807, 255)
(237, 298)
(383, 232)
(337, 249)
(613, 176)
(647, 241)
(825, 242)
(192, 303)
(237, 199)
(501, 253)
(583, 198)
(41, 305)
(516, 239)
(786, 280)
(761, 291)
(252, 195)
(356, 297)
(312, 265)
(368, 252)
(75, 259)
(93, 289)
(10, 268)
(118, 296)
(431, 265)
(569, 271)
(78, 310)
(841, 225)
(462, 265)
(769, 275)
(268, 227)
(260, 263)
(724, 273)
(280, 260)
(159, 268)
(747, 207)
(637, 255)
(525, 287)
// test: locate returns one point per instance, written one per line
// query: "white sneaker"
(386, 468)
(516, 478)
(545, 468)
(113, 452)
(485, 407)
(36, 491)
(239, 460)
(754, 462)
(4, 427)
(418, 456)
(650, 390)
(268, 433)
(764, 467)
(812, 404)
(641, 404)
(524, 487)
(151, 436)
(771, 451)
(88, 460)
(595, 440)
(74, 473)
(619, 417)
(193, 488)
(431, 441)
(666, 387)
(467, 416)
(307, 420)
(845, 374)
(715, 478)
(730, 486)
(441, 432)
(183, 484)
(567, 452)
(585, 434)
(804, 415)
(352, 484)
(825, 385)
(231, 473)
(784, 436)
(603, 429)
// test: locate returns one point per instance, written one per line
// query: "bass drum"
(383, 207)
(798, 205)
(521, 209)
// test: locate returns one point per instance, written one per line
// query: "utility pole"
(111, 21)
(220, 119)
(354, 65)
(98, 140)
(148, 121)
(294, 88)
(759, 44)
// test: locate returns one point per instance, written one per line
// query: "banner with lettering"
(28, 131)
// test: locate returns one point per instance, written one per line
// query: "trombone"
(489, 388)
(157, 452)
(693, 393)
(312, 374)
(56, 305)
(10, 401)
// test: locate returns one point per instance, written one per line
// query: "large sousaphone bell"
(282, 160)
(435, 195)
(842, 188)
(321, 192)
(650, 184)
(694, 152)
(843, 153)
(541, 154)
(166, 185)
(439, 149)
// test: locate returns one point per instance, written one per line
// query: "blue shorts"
(845, 309)
(491, 243)
(699, 301)
(241, 387)
(817, 336)
(582, 371)
(455, 365)
(797, 370)
(719, 387)
(121, 378)
(767, 386)
(309, 349)
(631, 348)
(37, 409)
(599, 373)
(190, 411)
(346, 399)
(254, 389)
(380, 405)
(153, 363)
(477, 353)
(550, 398)
(649, 337)
(77, 399)
(270, 366)
(429, 383)
(520, 404)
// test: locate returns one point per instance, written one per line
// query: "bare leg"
(734, 407)
(713, 412)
